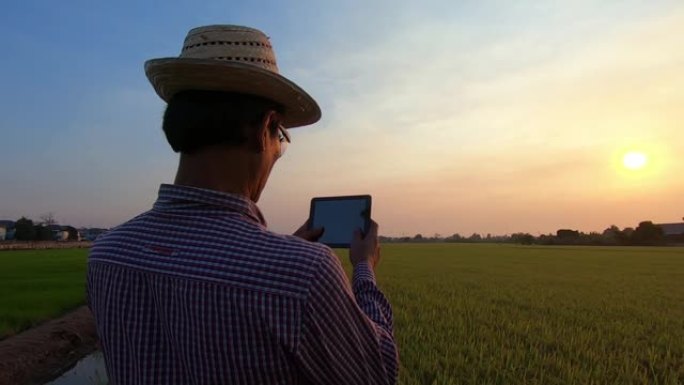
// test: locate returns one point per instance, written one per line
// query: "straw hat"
(234, 59)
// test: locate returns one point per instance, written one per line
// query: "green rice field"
(474, 314)
(38, 285)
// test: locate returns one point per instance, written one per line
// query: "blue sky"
(456, 116)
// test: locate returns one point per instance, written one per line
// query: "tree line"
(26, 230)
(645, 234)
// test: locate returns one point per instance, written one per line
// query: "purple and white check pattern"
(198, 291)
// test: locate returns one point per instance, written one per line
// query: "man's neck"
(219, 170)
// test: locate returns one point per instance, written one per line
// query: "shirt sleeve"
(370, 298)
(347, 336)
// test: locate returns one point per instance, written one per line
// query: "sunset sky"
(456, 116)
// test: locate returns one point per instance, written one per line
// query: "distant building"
(6, 230)
(61, 235)
(90, 234)
(64, 233)
(7, 224)
(72, 233)
(674, 232)
(57, 233)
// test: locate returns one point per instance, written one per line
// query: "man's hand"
(365, 248)
(311, 235)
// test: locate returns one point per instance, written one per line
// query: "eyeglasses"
(283, 138)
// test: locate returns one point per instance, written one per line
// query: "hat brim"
(172, 75)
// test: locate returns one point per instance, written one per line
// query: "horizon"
(445, 236)
(457, 118)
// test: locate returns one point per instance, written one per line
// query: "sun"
(634, 160)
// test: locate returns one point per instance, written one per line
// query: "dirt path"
(44, 352)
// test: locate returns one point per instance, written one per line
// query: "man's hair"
(195, 119)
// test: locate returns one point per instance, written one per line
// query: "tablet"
(340, 216)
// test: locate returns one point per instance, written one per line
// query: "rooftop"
(672, 228)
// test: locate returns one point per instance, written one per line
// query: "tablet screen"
(340, 216)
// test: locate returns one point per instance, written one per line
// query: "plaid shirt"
(198, 291)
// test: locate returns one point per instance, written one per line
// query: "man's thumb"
(358, 235)
(314, 234)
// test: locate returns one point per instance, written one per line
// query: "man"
(197, 290)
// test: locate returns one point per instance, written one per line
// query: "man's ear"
(265, 129)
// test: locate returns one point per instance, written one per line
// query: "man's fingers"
(304, 227)
(371, 234)
(305, 232)
(373, 229)
(314, 234)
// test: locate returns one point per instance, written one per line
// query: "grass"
(492, 314)
(474, 314)
(38, 285)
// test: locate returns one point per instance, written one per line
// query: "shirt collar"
(179, 199)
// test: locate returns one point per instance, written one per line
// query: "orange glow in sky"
(457, 117)
(571, 130)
